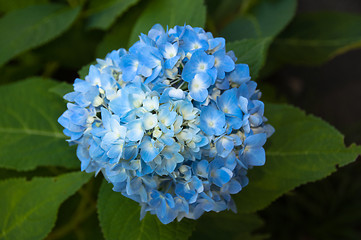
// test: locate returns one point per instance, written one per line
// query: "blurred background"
(329, 88)
(330, 208)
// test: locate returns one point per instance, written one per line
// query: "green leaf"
(72, 50)
(28, 209)
(169, 13)
(7, 6)
(118, 36)
(262, 20)
(219, 11)
(78, 219)
(104, 13)
(252, 52)
(303, 149)
(39, 172)
(215, 226)
(30, 27)
(62, 88)
(30, 135)
(83, 72)
(314, 38)
(265, 18)
(119, 219)
(28, 64)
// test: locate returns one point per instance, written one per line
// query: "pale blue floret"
(218, 173)
(172, 93)
(76, 120)
(149, 121)
(173, 123)
(116, 174)
(190, 189)
(157, 32)
(152, 63)
(217, 43)
(163, 205)
(148, 150)
(129, 65)
(170, 53)
(200, 62)
(198, 86)
(192, 42)
(151, 103)
(130, 98)
(212, 121)
(166, 116)
(256, 112)
(201, 168)
(232, 187)
(82, 152)
(240, 74)
(224, 146)
(168, 165)
(223, 63)
(113, 136)
(253, 153)
(227, 102)
(135, 130)
(84, 93)
(136, 188)
(187, 110)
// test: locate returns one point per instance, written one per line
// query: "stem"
(180, 86)
(175, 81)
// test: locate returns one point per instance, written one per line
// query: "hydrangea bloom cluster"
(173, 123)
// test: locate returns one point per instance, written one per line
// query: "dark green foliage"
(314, 38)
(312, 151)
(262, 19)
(32, 26)
(234, 226)
(30, 207)
(169, 13)
(30, 135)
(252, 52)
(103, 14)
(119, 219)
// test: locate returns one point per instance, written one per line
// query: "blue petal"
(147, 149)
(227, 102)
(255, 156)
(212, 121)
(135, 130)
(256, 140)
(222, 176)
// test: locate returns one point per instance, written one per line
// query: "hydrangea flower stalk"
(174, 123)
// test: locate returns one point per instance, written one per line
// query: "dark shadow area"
(330, 208)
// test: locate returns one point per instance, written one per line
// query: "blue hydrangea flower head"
(174, 123)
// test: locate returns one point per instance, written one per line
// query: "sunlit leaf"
(30, 135)
(303, 149)
(28, 209)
